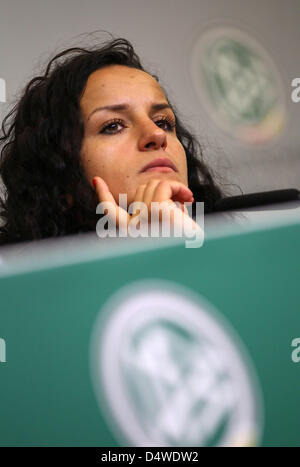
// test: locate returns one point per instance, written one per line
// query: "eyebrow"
(122, 107)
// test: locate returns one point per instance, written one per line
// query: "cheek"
(87, 159)
(94, 160)
(181, 158)
(106, 163)
(182, 151)
(176, 145)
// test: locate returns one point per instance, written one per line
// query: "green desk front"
(152, 343)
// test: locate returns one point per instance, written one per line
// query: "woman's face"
(118, 142)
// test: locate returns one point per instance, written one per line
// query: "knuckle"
(164, 183)
(139, 189)
(153, 182)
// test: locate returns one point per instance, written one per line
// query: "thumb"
(104, 195)
(102, 190)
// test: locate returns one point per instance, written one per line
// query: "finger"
(102, 190)
(187, 204)
(182, 218)
(118, 215)
(172, 190)
(181, 193)
(139, 194)
(149, 192)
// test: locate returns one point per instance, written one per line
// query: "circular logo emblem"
(238, 84)
(168, 371)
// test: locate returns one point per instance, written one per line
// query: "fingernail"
(94, 182)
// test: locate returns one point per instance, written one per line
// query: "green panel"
(47, 317)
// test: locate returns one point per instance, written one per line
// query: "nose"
(152, 137)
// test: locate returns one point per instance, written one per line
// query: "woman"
(63, 152)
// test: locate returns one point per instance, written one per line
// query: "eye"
(166, 123)
(112, 127)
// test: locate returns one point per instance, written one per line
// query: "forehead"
(118, 82)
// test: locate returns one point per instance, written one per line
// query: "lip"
(160, 164)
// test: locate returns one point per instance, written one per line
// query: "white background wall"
(163, 32)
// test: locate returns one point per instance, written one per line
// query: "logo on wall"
(239, 85)
(169, 371)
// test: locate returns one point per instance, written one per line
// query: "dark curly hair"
(42, 137)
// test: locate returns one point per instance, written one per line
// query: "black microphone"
(251, 200)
